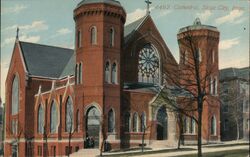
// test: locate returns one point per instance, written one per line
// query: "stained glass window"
(53, 118)
(15, 96)
(69, 115)
(148, 65)
(40, 119)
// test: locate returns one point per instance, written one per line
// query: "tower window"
(79, 39)
(93, 35)
(111, 121)
(199, 55)
(80, 73)
(15, 96)
(40, 123)
(213, 126)
(76, 74)
(213, 56)
(107, 72)
(114, 73)
(112, 37)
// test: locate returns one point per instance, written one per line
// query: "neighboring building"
(107, 84)
(234, 96)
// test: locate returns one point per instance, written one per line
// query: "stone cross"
(148, 6)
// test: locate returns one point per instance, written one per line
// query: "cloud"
(15, 9)
(33, 39)
(204, 16)
(163, 13)
(228, 43)
(33, 27)
(63, 31)
(233, 17)
(135, 15)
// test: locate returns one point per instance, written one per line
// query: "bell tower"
(99, 28)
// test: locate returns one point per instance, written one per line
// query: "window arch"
(53, 118)
(107, 72)
(76, 74)
(114, 73)
(93, 35)
(143, 122)
(127, 121)
(80, 73)
(69, 115)
(112, 37)
(213, 125)
(148, 65)
(135, 122)
(40, 127)
(15, 96)
(111, 121)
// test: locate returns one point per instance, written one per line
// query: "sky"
(51, 22)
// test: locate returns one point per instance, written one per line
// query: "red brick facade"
(90, 90)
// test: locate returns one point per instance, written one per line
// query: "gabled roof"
(132, 27)
(47, 61)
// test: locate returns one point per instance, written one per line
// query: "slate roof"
(131, 28)
(229, 73)
(47, 61)
(142, 87)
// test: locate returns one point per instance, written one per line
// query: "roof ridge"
(46, 45)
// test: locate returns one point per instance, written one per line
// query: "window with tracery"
(15, 96)
(148, 66)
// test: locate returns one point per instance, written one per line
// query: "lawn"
(228, 153)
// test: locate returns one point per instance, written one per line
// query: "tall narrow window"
(211, 85)
(40, 120)
(215, 86)
(135, 122)
(69, 115)
(15, 96)
(107, 72)
(192, 126)
(93, 35)
(80, 73)
(79, 39)
(143, 122)
(76, 74)
(213, 56)
(111, 121)
(112, 37)
(185, 57)
(186, 124)
(53, 118)
(199, 55)
(213, 125)
(127, 121)
(114, 73)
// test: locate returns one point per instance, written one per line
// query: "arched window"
(114, 73)
(213, 126)
(192, 126)
(78, 120)
(15, 96)
(213, 56)
(93, 35)
(111, 121)
(53, 118)
(149, 65)
(76, 74)
(199, 55)
(186, 124)
(79, 38)
(112, 37)
(80, 73)
(40, 123)
(127, 121)
(135, 122)
(185, 57)
(143, 122)
(107, 72)
(215, 86)
(69, 115)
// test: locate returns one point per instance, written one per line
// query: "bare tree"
(192, 79)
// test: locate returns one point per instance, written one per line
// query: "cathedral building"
(106, 88)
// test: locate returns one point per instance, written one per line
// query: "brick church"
(106, 88)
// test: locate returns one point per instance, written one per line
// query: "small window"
(192, 126)
(135, 122)
(76, 74)
(213, 56)
(93, 35)
(79, 39)
(80, 73)
(107, 72)
(185, 57)
(199, 55)
(213, 125)
(111, 121)
(112, 37)
(114, 73)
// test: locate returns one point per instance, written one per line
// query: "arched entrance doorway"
(93, 125)
(162, 124)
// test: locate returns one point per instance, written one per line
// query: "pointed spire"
(17, 32)
(148, 6)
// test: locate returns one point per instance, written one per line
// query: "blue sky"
(51, 22)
